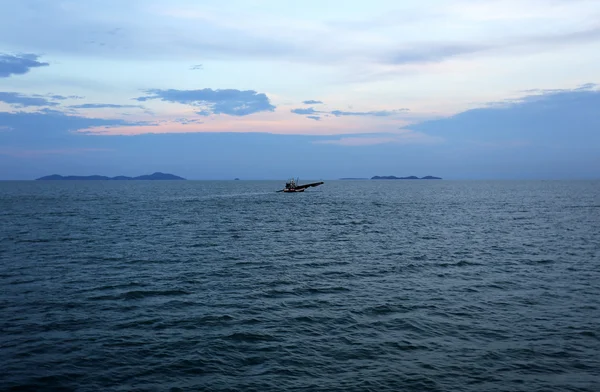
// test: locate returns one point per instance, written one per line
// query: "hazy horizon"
(342, 178)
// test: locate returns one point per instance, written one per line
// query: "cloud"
(18, 65)
(440, 51)
(312, 102)
(186, 121)
(29, 153)
(156, 31)
(304, 111)
(20, 100)
(378, 113)
(587, 86)
(316, 118)
(60, 97)
(404, 137)
(230, 101)
(102, 106)
(434, 52)
(553, 118)
(180, 31)
(28, 127)
(536, 94)
(389, 18)
(338, 113)
(196, 67)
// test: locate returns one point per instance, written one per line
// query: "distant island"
(153, 176)
(404, 178)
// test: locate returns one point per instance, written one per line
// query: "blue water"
(351, 286)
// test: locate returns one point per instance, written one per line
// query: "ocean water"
(351, 286)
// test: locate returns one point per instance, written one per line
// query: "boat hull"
(292, 187)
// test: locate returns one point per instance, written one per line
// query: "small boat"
(292, 186)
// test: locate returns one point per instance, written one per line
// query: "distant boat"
(292, 186)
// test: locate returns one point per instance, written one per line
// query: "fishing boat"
(291, 186)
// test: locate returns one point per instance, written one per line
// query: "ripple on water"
(399, 286)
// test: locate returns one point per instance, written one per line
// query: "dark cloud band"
(230, 101)
(20, 100)
(18, 65)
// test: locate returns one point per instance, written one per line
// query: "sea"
(362, 285)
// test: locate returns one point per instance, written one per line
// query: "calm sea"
(351, 286)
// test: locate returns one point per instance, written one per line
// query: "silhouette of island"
(153, 176)
(405, 178)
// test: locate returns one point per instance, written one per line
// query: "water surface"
(351, 286)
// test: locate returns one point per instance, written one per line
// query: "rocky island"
(153, 176)
(404, 178)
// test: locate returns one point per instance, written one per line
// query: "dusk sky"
(265, 89)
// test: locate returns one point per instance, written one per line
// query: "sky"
(265, 89)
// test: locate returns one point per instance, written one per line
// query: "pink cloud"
(279, 122)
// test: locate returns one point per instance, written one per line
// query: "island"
(404, 178)
(153, 176)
